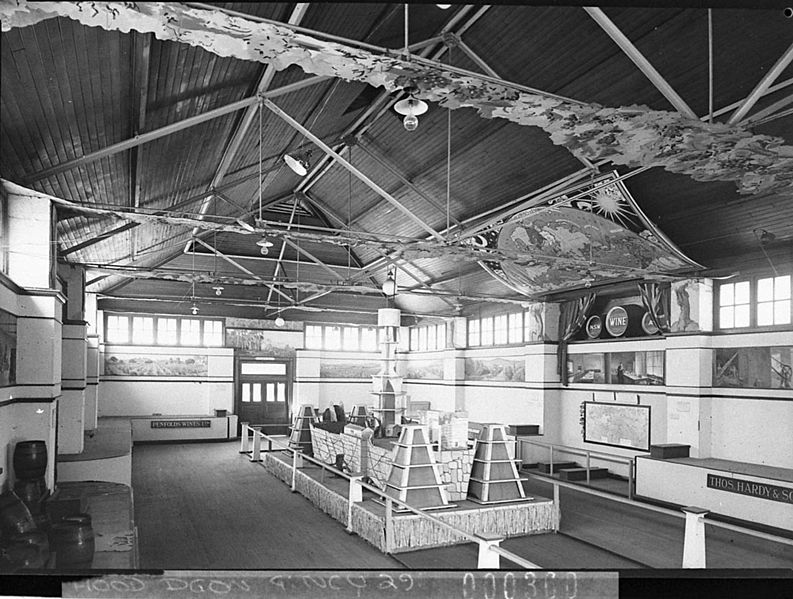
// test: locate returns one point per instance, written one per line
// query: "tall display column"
(387, 384)
(71, 405)
(92, 383)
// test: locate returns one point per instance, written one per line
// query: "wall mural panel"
(424, 369)
(118, 364)
(348, 369)
(8, 348)
(269, 342)
(495, 369)
(760, 367)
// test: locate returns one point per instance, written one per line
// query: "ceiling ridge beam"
(762, 86)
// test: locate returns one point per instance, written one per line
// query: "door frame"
(239, 358)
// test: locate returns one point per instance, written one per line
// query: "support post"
(244, 437)
(588, 464)
(488, 560)
(630, 479)
(256, 454)
(389, 524)
(551, 462)
(294, 471)
(694, 539)
(355, 495)
(557, 508)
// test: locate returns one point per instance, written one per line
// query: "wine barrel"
(32, 492)
(624, 321)
(73, 541)
(29, 550)
(15, 517)
(30, 459)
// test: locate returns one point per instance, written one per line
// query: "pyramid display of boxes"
(494, 476)
(414, 477)
(300, 437)
(358, 415)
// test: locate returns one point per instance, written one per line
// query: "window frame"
(156, 319)
(753, 326)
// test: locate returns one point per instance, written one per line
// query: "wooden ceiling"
(118, 118)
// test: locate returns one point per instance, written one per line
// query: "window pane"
(270, 392)
(213, 333)
(256, 392)
(473, 332)
(765, 313)
(313, 336)
(142, 329)
(166, 331)
(782, 312)
(246, 392)
(117, 329)
(191, 332)
(742, 292)
(487, 331)
(726, 294)
(272, 368)
(350, 339)
(432, 338)
(516, 327)
(281, 391)
(414, 338)
(765, 290)
(422, 338)
(726, 320)
(440, 334)
(332, 337)
(500, 329)
(742, 316)
(782, 288)
(369, 339)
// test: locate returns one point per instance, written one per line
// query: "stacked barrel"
(27, 538)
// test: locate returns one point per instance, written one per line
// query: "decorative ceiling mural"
(633, 135)
(599, 236)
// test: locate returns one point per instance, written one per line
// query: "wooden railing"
(588, 453)
(489, 549)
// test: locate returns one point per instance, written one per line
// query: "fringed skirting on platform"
(412, 532)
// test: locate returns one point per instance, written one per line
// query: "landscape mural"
(348, 369)
(273, 343)
(763, 367)
(495, 369)
(424, 369)
(155, 365)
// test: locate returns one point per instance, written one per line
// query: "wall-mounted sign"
(617, 321)
(594, 326)
(648, 325)
(750, 488)
(181, 424)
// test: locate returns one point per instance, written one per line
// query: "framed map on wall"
(618, 425)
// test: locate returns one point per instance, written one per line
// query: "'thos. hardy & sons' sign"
(751, 488)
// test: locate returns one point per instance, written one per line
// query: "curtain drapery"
(656, 298)
(572, 316)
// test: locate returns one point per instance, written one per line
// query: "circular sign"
(648, 325)
(617, 321)
(594, 326)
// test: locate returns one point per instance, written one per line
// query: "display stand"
(414, 477)
(300, 438)
(387, 384)
(494, 477)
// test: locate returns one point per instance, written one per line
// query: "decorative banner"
(750, 488)
(181, 424)
(155, 365)
(599, 237)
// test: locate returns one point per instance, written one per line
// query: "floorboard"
(203, 506)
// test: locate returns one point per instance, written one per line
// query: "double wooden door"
(263, 393)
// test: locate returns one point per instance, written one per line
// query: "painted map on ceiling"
(592, 235)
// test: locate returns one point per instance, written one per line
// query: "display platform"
(329, 493)
(751, 492)
(106, 456)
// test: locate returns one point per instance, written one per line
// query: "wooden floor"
(204, 506)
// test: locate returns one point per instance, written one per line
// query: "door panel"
(263, 394)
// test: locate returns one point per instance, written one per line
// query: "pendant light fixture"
(264, 246)
(411, 108)
(299, 162)
(389, 285)
(279, 321)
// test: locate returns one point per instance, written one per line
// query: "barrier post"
(588, 464)
(630, 479)
(389, 524)
(355, 495)
(294, 471)
(694, 539)
(244, 438)
(256, 454)
(551, 462)
(487, 559)
(557, 508)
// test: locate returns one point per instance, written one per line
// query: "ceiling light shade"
(264, 246)
(218, 289)
(443, 6)
(411, 105)
(298, 163)
(194, 309)
(389, 285)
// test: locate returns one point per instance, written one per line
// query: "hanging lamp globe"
(411, 108)
(389, 286)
